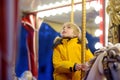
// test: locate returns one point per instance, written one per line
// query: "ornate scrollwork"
(113, 10)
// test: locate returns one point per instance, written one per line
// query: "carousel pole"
(72, 11)
(83, 48)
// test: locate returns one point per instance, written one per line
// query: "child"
(67, 54)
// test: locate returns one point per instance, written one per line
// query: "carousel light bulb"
(78, 7)
(87, 6)
(98, 19)
(98, 32)
(98, 45)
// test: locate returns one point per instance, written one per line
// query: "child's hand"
(84, 67)
(78, 67)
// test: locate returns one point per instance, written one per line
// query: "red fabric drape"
(30, 39)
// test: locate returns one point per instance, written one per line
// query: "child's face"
(67, 31)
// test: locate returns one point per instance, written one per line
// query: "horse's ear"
(118, 46)
(114, 50)
(110, 45)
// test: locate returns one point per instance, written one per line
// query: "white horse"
(106, 65)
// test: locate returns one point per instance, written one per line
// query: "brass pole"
(72, 11)
(83, 48)
(83, 30)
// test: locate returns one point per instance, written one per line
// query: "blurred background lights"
(98, 32)
(98, 45)
(52, 7)
(98, 19)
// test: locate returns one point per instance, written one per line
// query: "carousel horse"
(105, 65)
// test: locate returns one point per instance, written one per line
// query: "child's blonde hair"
(77, 30)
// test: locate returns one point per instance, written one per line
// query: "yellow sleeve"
(88, 55)
(60, 65)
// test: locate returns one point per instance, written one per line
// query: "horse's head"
(111, 62)
(106, 64)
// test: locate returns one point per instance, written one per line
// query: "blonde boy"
(67, 54)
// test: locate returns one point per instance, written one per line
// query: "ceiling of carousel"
(61, 16)
(59, 11)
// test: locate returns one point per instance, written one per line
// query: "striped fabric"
(32, 25)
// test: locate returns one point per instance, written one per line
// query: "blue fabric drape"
(46, 37)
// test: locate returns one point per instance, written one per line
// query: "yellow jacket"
(65, 56)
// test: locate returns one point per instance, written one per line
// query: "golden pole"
(83, 33)
(83, 30)
(72, 11)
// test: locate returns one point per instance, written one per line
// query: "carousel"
(26, 41)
